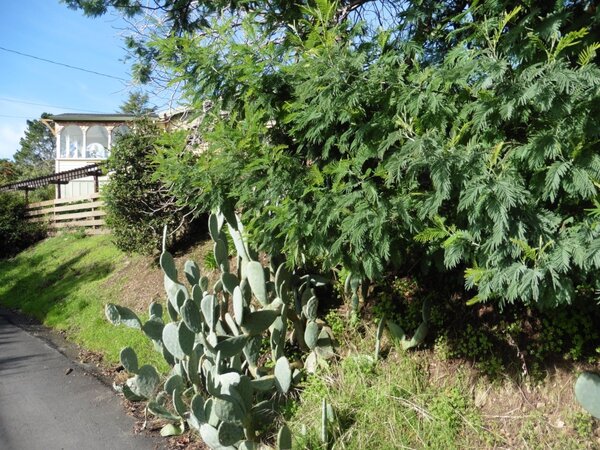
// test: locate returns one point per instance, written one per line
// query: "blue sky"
(28, 87)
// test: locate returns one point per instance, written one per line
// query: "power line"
(16, 117)
(62, 64)
(3, 99)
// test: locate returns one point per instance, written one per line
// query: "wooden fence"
(82, 212)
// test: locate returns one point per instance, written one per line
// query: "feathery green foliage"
(457, 135)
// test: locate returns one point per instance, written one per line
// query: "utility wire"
(62, 64)
(16, 117)
(3, 99)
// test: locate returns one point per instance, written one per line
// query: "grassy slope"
(65, 282)
(404, 401)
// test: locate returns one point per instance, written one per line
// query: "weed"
(450, 407)
(583, 424)
(336, 322)
(208, 262)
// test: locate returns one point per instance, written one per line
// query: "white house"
(83, 140)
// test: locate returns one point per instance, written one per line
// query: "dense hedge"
(15, 233)
(444, 136)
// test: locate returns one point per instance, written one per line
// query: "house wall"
(81, 187)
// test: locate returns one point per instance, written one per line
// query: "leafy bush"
(137, 204)
(373, 134)
(16, 233)
(473, 149)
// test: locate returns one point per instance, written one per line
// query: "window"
(96, 142)
(71, 142)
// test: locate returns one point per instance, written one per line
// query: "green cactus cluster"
(397, 332)
(220, 383)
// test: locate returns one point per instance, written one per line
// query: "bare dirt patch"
(140, 279)
(523, 414)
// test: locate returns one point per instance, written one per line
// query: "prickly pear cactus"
(587, 392)
(219, 384)
(398, 334)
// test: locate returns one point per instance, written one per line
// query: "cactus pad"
(167, 264)
(231, 346)
(175, 381)
(587, 392)
(256, 278)
(257, 322)
(284, 438)
(145, 382)
(191, 316)
(192, 272)
(129, 359)
(118, 315)
(283, 375)
(230, 433)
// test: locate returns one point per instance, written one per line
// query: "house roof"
(73, 117)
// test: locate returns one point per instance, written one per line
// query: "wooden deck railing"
(81, 212)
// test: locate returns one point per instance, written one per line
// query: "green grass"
(403, 401)
(64, 282)
(388, 405)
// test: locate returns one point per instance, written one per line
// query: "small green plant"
(337, 324)
(583, 424)
(209, 262)
(565, 331)
(473, 344)
(451, 408)
(397, 332)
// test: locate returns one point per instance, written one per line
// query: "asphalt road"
(42, 407)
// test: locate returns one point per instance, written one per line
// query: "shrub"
(137, 205)
(370, 135)
(475, 154)
(16, 234)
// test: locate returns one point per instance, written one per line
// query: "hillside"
(420, 399)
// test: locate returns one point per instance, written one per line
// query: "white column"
(109, 128)
(58, 133)
(84, 131)
(58, 129)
